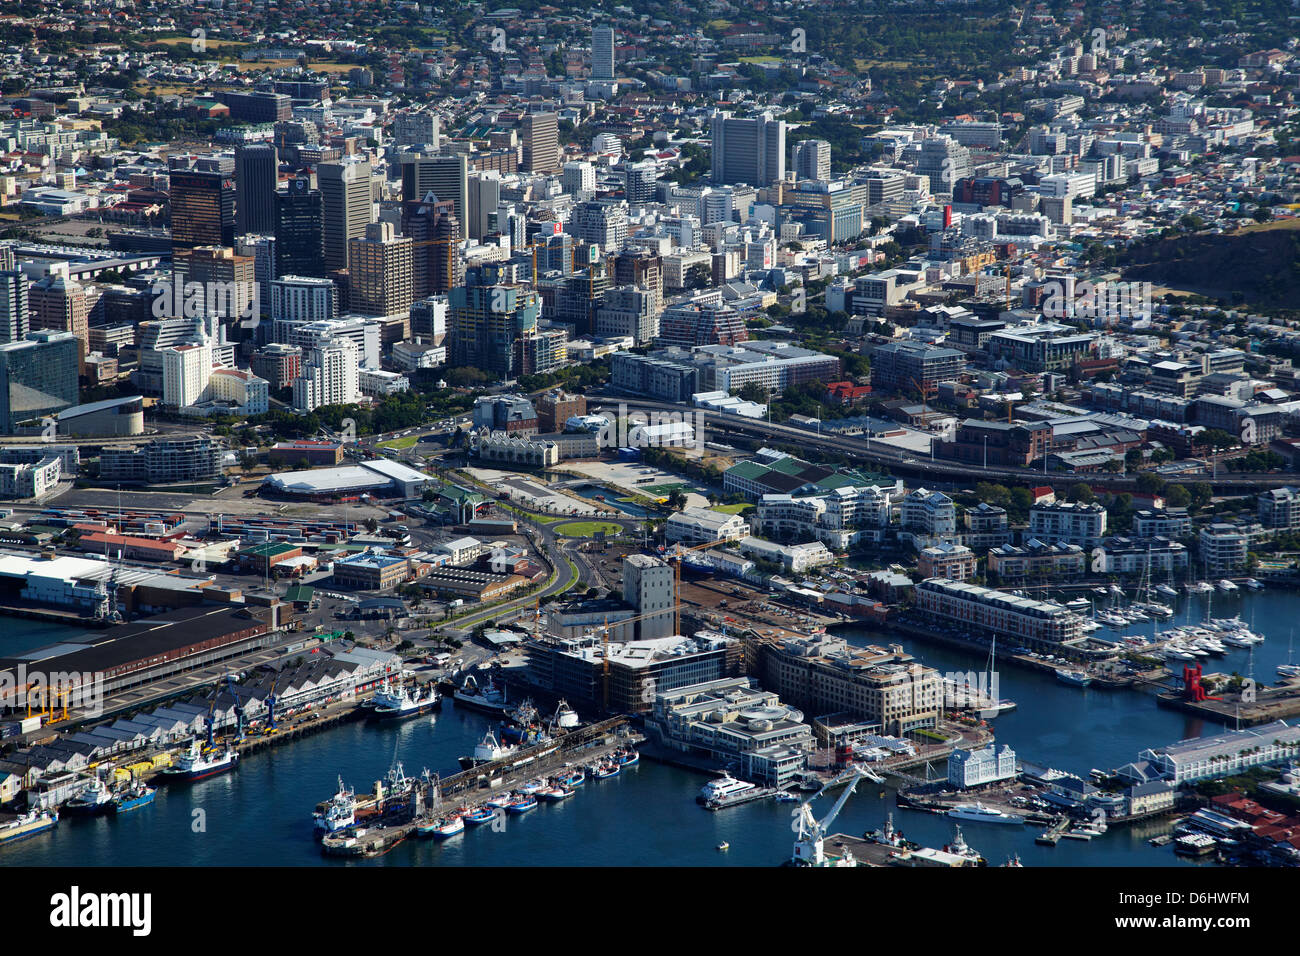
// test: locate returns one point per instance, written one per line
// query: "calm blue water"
(611, 499)
(261, 813)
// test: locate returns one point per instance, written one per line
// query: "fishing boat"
(532, 787)
(340, 813)
(133, 798)
(200, 762)
(399, 702)
(28, 825)
(94, 799)
(490, 699)
(500, 801)
(522, 805)
(606, 770)
(554, 794)
(487, 750)
(565, 717)
(574, 778)
(979, 813)
(626, 758)
(478, 815)
(448, 827)
(1070, 676)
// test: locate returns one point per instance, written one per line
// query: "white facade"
(974, 768)
(186, 370)
(702, 525)
(303, 299)
(1071, 522)
(329, 376)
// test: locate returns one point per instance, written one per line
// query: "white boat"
(397, 702)
(1079, 604)
(341, 811)
(724, 788)
(490, 699)
(566, 718)
(981, 814)
(1116, 590)
(1254, 585)
(1226, 585)
(959, 847)
(1288, 670)
(487, 750)
(1077, 678)
(1166, 590)
(200, 762)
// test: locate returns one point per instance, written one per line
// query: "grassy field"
(666, 489)
(1271, 225)
(730, 509)
(399, 443)
(587, 529)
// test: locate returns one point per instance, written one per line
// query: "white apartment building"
(1070, 521)
(702, 525)
(297, 299)
(249, 394)
(329, 375)
(1224, 547)
(1021, 618)
(377, 383)
(794, 558)
(362, 331)
(838, 519)
(929, 513)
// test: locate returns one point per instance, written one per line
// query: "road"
(900, 461)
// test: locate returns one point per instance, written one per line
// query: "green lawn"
(587, 529)
(730, 509)
(400, 443)
(666, 489)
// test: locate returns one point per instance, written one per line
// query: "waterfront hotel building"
(1006, 615)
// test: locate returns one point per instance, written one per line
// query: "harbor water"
(260, 814)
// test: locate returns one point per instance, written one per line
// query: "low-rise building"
(955, 562)
(702, 525)
(371, 571)
(1024, 619)
(976, 768)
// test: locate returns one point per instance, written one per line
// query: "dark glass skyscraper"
(299, 230)
(38, 377)
(203, 209)
(256, 177)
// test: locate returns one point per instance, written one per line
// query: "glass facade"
(38, 377)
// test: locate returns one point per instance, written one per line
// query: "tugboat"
(28, 825)
(91, 801)
(201, 762)
(133, 798)
(397, 703)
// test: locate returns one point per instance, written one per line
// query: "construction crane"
(809, 846)
(604, 643)
(676, 558)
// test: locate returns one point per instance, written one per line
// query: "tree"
(1218, 439)
(676, 500)
(1081, 492)
(371, 525)
(1150, 484)
(1177, 497)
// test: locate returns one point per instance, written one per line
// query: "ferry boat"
(92, 800)
(1077, 678)
(1226, 585)
(133, 799)
(201, 762)
(487, 750)
(522, 805)
(478, 815)
(490, 699)
(397, 703)
(28, 825)
(723, 787)
(340, 813)
(981, 814)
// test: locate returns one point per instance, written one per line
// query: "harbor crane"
(809, 846)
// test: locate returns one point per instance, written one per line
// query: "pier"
(474, 786)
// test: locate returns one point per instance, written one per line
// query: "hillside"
(1259, 267)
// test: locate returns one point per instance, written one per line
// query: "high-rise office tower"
(261, 249)
(541, 139)
(59, 303)
(812, 159)
(379, 269)
(347, 206)
(447, 177)
(483, 195)
(256, 180)
(227, 280)
(14, 321)
(202, 208)
(578, 177)
(487, 319)
(640, 181)
(299, 245)
(747, 150)
(38, 377)
(435, 254)
(602, 53)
